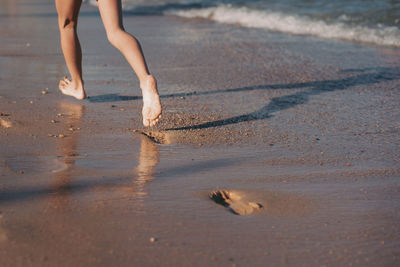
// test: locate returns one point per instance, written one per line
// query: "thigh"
(111, 14)
(68, 10)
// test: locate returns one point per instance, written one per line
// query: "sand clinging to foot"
(152, 109)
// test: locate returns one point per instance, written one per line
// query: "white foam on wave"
(275, 21)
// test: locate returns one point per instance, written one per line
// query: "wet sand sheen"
(298, 134)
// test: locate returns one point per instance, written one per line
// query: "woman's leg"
(68, 11)
(111, 14)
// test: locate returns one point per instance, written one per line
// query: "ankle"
(77, 84)
(148, 83)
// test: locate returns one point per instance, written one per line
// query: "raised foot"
(152, 109)
(68, 87)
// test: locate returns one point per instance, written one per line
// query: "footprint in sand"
(5, 123)
(158, 137)
(235, 202)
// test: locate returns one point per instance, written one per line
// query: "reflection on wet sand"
(148, 159)
(111, 185)
(135, 188)
(67, 150)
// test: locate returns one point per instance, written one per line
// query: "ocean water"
(368, 21)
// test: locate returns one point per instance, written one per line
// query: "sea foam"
(276, 21)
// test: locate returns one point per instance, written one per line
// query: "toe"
(153, 123)
(61, 85)
(146, 122)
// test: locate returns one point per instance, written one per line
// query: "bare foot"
(151, 111)
(68, 87)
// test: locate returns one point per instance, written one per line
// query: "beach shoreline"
(306, 130)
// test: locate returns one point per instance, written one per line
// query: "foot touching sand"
(151, 102)
(68, 87)
(234, 201)
(158, 137)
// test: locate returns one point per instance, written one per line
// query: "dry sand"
(306, 129)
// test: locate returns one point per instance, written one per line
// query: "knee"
(118, 37)
(114, 36)
(67, 24)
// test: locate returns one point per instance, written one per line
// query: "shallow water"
(362, 12)
(31, 164)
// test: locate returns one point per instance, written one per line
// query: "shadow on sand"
(365, 77)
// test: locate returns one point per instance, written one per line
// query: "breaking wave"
(294, 24)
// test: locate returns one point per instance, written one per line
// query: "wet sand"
(308, 129)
